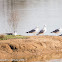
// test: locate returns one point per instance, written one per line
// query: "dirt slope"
(34, 45)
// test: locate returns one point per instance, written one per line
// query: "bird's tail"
(27, 32)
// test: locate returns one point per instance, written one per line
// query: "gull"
(60, 35)
(57, 31)
(8, 33)
(15, 33)
(42, 31)
(35, 30)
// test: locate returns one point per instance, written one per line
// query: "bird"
(8, 33)
(35, 30)
(15, 33)
(57, 31)
(60, 35)
(42, 31)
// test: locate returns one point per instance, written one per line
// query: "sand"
(34, 48)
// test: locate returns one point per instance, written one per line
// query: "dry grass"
(2, 37)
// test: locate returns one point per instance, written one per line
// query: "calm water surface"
(31, 13)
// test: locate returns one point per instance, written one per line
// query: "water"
(56, 60)
(31, 13)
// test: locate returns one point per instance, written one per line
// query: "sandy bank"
(44, 46)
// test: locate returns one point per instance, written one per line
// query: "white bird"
(57, 31)
(15, 33)
(35, 30)
(42, 31)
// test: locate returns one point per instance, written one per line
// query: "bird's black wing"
(42, 31)
(56, 30)
(31, 31)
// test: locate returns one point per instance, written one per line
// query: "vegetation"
(5, 37)
(2, 37)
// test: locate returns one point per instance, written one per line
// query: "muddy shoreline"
(40, 47)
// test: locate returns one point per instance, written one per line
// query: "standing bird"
(57, 31)
(42, 31)
(35, 30)
(60, 35)
(15, 33)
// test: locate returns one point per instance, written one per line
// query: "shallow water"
(55, 60)
(31, 13)
(26, 60)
